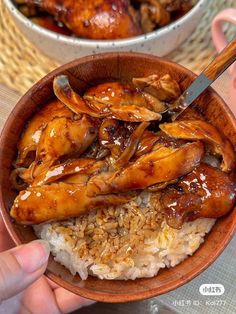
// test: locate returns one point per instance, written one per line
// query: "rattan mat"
(21, 64)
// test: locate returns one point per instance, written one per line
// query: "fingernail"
(33, 255)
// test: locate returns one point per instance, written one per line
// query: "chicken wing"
(201, 130)
(205, 192)
(33, 131)
(94, 19)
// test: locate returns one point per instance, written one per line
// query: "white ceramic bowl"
(65, 48)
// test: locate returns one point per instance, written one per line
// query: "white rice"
(166, 247)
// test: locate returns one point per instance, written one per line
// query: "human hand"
(23, 288)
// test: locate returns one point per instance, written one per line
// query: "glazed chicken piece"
(201, 130)
(151, 141)
(146, 143)
(205, 192)
(93, 19)
(99, 109)
(68, 168)
(61, 137)
(177, 5)
(153, 14)
(166, 141)
(158, 13)
(62, 200)
(164, 88)
(70, 98)
(158, 166)
(131, 146)
(125, 140)
(95, 150)
(82, 177)
(115, 119)
(30, 138)
(122, 139)
(131, 140)
(118, 94)
(58, 201)
(113, 135)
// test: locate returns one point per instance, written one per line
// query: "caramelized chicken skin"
(83, 176)
(39, 204)
(205, 192)
(201, 130)
(118, 94)
(98, 158)
(159, 166)
(114, 135)
(131, 146)
(99, 109)
(152, 14)
(61, 137)
(157, 13)
(58, 201)
(33, 131)
(164, 88)
(146, 143)
(125, 140)
(69, 167)
(93, 19)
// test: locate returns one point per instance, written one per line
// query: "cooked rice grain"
(124, 242)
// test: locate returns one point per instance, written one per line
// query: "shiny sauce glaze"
(51, 24)
(89, 153)
(103, 19)
(205, 192)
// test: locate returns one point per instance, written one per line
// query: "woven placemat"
(21, 64)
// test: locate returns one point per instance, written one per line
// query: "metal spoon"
(217, 66)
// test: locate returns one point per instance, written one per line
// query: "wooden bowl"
(83, 73)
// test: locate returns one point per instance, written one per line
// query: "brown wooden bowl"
(83, 73)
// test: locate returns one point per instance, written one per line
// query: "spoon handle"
(218, 65)
(221, 62)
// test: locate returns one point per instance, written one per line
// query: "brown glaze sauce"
(82, 162)
(51, 24)
(38, 14)
(205, 192)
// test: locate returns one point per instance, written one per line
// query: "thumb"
(21, 266)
